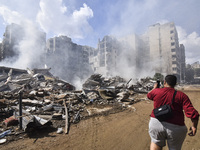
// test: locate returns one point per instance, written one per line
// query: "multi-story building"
(165, 53)
(13, 35)
(196, 65)
(1, 52)
(18, 39)
(183, 64)
(93, 59)
(67, 59)
(107, 56)
(118, 56)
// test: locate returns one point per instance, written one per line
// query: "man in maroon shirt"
(172, 130)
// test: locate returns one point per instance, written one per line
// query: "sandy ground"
(127, 130)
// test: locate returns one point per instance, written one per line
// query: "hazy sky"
(86, 21)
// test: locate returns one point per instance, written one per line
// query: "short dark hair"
(171, 80)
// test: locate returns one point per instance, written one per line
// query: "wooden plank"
(66, 118)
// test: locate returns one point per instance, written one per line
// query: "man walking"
(172, 130)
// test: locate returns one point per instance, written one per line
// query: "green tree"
(189, 74)
(158, 76)
(197, 72)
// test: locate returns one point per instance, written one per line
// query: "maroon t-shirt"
(162, 96)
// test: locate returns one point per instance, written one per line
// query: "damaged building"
(67, 59)
(107, 56)
(157, 51)
(13, 35)
(114, 54)
(13, 39)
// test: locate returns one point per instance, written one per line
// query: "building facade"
(13, 35)
(120, 56)
(166, 55)
(196, 65)
(183, 64)
(17, 39)
(67, 59)
(107, 56)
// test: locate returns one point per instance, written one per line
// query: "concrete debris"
(2, 141)
(49, 101)
(5, 133)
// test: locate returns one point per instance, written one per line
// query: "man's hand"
(155, 86)
(193, 131)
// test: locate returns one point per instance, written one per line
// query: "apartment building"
(196, 65)
(166, 55)
(67, 59)
(17, 39)
(107, 56)
(125, 56)
(183, 64)
(13, 35)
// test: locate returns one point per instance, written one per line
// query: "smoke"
(54, 17)
(10, 16)
(78, 82)
(51, 16)
(86, 22)
(29, 48)
(134, 17)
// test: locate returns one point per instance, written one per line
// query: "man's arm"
(192, 113)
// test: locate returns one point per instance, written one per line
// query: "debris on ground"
(33, 99)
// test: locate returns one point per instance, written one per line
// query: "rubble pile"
(35, 98)
(143, 85)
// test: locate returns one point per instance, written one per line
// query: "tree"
(197, 72)
(158, 76)
(189, 74)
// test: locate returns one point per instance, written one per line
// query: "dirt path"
(127, 130)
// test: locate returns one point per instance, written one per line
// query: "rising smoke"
(29, 47)
(55, 18)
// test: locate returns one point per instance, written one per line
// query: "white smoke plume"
(51, 16)
(29, 48)
(90, 20)
(55, 17)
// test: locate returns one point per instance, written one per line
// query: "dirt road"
(127, 130)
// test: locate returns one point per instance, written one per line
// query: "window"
(173, 50)
(172, 44)
(173, 57)
(172, 31)
(174, 62)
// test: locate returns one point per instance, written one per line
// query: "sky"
(87, 21)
